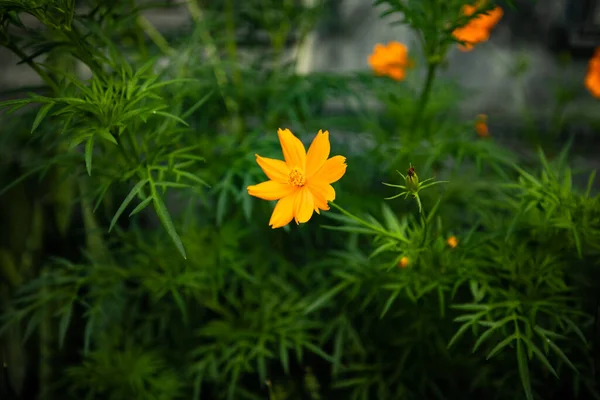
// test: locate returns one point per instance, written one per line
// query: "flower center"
(296, 177)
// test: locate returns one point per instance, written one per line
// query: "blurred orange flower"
(404, 261)
(592, 79)
(481, 126)
(479, 28)
(390, 60)
(452, 241)
(302, 183)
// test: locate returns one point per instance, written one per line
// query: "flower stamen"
(296, 177)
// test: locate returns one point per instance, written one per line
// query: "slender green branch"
(214, 59)
(154, 35)
(45, 77)
(425, 94)
(231, 42)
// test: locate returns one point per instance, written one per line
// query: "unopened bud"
(412, 180)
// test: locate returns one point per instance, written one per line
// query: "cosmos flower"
(301, 184)
(592, 79)
(390, 60)
(479, 28)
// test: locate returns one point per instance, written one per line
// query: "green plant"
(486, 289)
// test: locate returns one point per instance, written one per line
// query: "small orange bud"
(404, 261)
(452, 241)
(481, 126)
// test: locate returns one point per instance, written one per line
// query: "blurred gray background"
(539, 34)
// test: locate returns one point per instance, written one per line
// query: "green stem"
(154, 35)
(424, 98)
(45, 77)
(214, 59)
(139, 36)
(45, 345)
(231, 44)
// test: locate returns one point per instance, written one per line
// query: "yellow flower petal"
(304, 205)
(331, 171)
(322, 193)
(275, 170)
(317, 153)
(293, 149)
(271, 190)
(283, 212)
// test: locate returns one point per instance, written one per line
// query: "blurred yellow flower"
(481, 126)
(479, 28)
(404, 261)
(390, 60)
(452, 241)
(302, 183)
(592, 79)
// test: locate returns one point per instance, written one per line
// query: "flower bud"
(403, 263)
(412, 180)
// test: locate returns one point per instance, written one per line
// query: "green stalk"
(154, 35)
(231, 44)
(45, 342)
(425, 94)
(45, 77)
(213, 58)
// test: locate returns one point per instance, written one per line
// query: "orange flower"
(479, 28)
(302, 183)
(390, 60)
(481, 125)
(404, 261)
(452, 241)
(592, 79)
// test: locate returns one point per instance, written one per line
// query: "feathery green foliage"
(136, 265)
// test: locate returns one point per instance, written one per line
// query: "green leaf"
(389, 303)
(316, 350)
(561, 355)
(180, 303)
(283, 356)
(390, 219)
(89, 149)
(20, 179)
(501, 345)
(524, 370)
(105, 134)
(89, 329)
(41, 115)
(324, 298)
(488, 333)
(168, 115)
(461, 331)
(65, 320)
(198, 104)
(103, 191)
(538, 353)
(590, 183)
(33, 323)
(471, 307)
(383, 248)
(141, 206)
(165, 219)
(134, 191)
